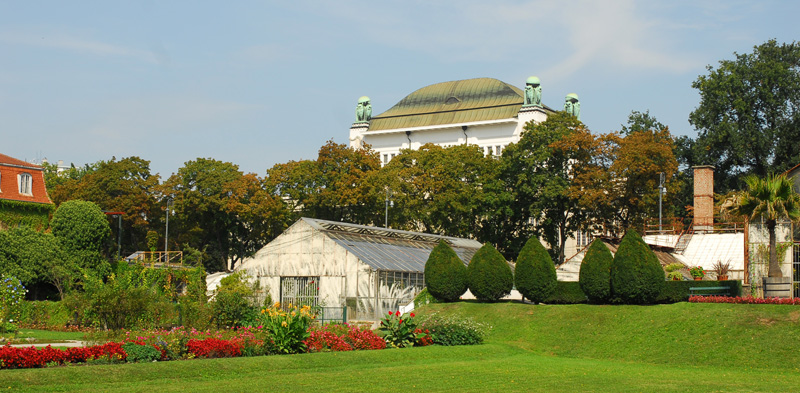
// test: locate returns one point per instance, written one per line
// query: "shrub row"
(678, 291)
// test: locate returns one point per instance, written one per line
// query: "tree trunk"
(774, 266)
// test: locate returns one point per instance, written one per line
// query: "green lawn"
(44, 336)
(682, 347)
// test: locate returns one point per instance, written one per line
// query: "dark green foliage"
(636, 274)
(567, 292)
(236, 302)
(678, 291)
(80, 225)
(44, 314)
(445, 273)
(140, 353)
(488, 274)
(595, 275)
(535, 273)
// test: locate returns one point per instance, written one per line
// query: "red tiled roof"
(4, 159)
(10, 169)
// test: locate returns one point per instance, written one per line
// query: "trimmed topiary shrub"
(636, 274)
(595, 274)
(445, 274)
(488, 275)
(535, 273)
(567, 292)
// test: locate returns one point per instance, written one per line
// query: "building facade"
(23, 195)
(485, 112)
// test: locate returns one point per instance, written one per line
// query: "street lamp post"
(386, 214)
(166, 232)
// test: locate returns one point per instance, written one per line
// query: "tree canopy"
(749, 114)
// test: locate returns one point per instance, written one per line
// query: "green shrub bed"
(567, 292)
(678, 291)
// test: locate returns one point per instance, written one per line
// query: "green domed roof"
(459, 101)
(363, 99)
(533, 80)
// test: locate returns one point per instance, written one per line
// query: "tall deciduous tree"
(435, 189)
(124, 185)
(530, 195)
(335, 186)
(617, 182)
(749, 113)
(222, 210)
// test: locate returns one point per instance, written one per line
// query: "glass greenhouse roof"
(390, 249)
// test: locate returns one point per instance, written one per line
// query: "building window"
(498, 150)
(299, 291)
(25, 181)
(582, 239)
(385, 159)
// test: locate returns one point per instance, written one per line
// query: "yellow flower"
(284, 324)
(293, 313)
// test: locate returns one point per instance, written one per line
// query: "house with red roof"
(23, 196)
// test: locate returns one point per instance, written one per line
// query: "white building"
(333, 264)
(481, 111)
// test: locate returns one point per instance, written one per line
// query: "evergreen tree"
(636, 274)
(488, 274)
(595, 274)
(445, 274)
(535, 274)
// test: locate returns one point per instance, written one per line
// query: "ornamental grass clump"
(636, 274)
(445, 274)
(288, 328)
(489, 276)
(595, 274)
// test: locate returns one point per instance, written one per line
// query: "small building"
(23, 196)
(370, 270)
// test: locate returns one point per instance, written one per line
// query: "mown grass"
(673, 348)
(46, 336)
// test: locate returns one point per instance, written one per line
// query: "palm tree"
(769, 199)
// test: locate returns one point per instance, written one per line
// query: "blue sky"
(259, 83)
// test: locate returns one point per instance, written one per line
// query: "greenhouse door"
(299, 291)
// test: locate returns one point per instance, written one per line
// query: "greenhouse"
(369, 270)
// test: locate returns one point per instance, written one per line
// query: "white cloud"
(77, 45)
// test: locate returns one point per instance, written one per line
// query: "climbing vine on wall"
(16, 213)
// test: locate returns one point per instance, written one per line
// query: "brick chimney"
(703, 198)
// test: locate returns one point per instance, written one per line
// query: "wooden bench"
(709, 291)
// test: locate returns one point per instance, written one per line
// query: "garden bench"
(709, 291)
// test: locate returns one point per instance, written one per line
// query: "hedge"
(567, 292)
(678, 291)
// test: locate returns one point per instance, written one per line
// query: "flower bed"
(743, 300)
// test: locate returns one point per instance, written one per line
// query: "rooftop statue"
(363, 110)
(572, 105)
(533, 92)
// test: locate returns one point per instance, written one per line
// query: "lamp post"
(166, 232)
(118, 216)
(660, 193)
(386, 215)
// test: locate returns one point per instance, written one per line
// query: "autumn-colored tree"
(334, 187)
(222, 210)
(435, 189)
(124, 185)
(616, 184)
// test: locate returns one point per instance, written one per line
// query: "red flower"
(391, 313)
(398, 313)
(412, 315)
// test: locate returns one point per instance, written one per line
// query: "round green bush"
(636, 274)
(488, 275)
(80, 225)
(445, 274)
(535, 274)
(595, 274)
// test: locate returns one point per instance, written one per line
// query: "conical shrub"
(488, 275)
(445, 274)
(595, 274)
(535, 273)
(636, 274)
